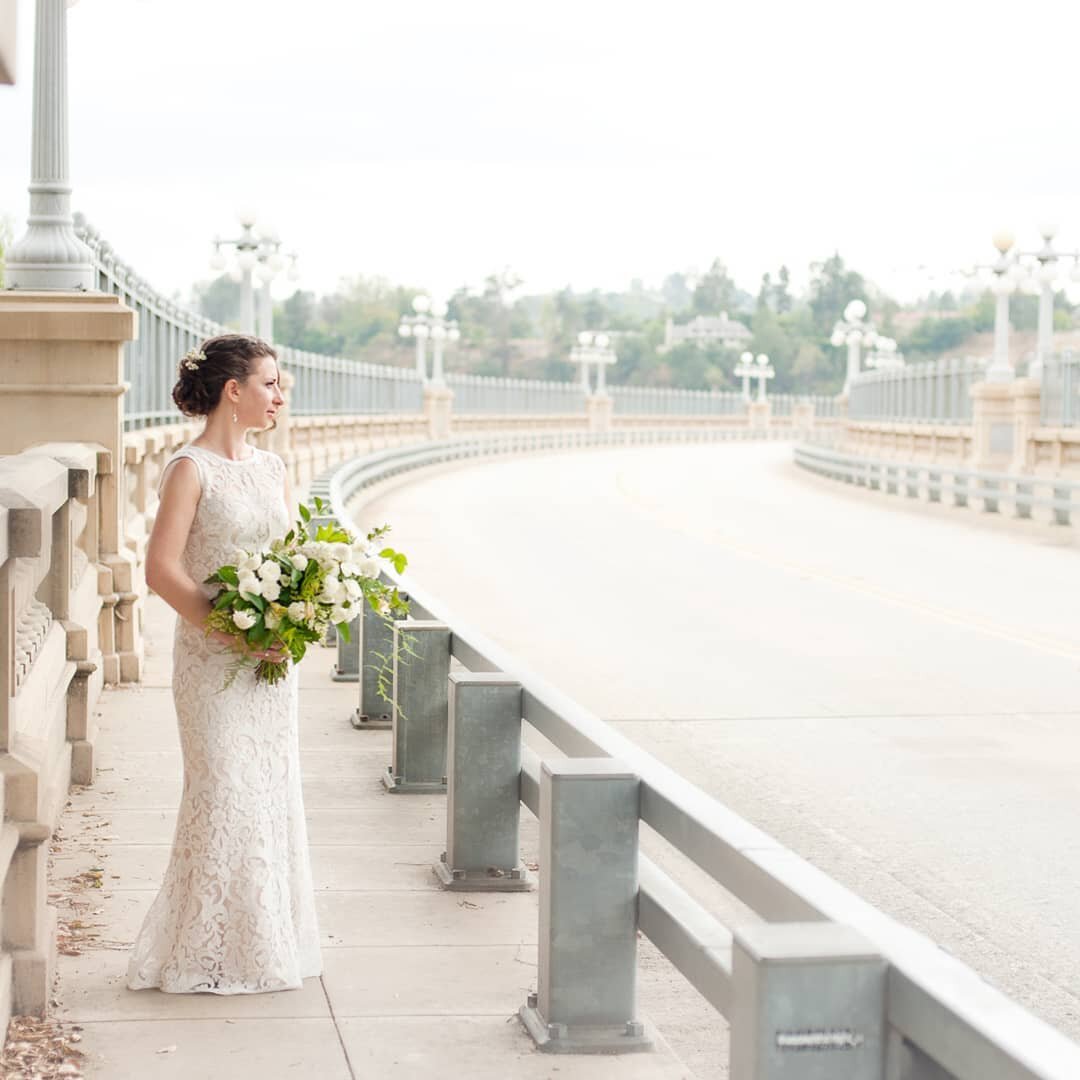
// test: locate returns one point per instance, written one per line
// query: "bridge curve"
(860, 681)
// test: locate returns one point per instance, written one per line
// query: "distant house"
(705, 330)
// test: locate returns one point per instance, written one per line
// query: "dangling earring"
(234, 416)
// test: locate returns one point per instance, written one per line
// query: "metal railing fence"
(495, 394)
(1026, 493)
(331, 384)
(927, 1016)
(937, 391)
(1061, 391)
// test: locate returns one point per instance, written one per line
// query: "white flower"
(297, 611)
(271, 590)
(300, 561)
(339, 615)
(349, 568)
(239, 557)
(272, 619)
(352, 588)
(333, 591)
(371, 568)
(250, 585)
(340, 551)
(270, 570)
(250, 564)
(243, 619)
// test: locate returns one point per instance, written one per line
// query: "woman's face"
(259, 397)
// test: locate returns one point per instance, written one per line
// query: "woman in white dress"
(236, 912)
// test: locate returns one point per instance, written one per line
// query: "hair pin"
(192, 359)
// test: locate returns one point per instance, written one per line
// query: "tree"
(832, 287)
(218, 300)
(715, 292)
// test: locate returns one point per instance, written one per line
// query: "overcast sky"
(584, 143)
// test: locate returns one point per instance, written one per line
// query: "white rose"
(270, 570)
(297, 611)
(352, 588)
(250, 564)
(250, 585)
(339, 615)
(272, 619)
(239, 557)
(349, 569)
(371, 568)
(333, 592)
(271, 590)
(300, 561)
(340, 551)
(243, 619)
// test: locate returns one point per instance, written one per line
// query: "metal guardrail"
(918, 1015)
(1061, 391)
(1024, 492)
(937, 391)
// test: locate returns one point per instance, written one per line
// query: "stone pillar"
(992, 421)
(61, 376)
(438, 408)
(802, 416)
(1027, 416)
(759, 414)
(599, 410)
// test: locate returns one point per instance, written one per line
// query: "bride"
(236, 913)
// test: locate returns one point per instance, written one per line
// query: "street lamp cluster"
(856, 332)
(429, 323)
(1014, 269)
(258, 255)
(750, 368)
(593, 348)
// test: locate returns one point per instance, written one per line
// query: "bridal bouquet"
(287, 596)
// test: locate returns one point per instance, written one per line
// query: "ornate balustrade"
(57, 625)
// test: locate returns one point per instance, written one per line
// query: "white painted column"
(50, 255)
(1000, 369)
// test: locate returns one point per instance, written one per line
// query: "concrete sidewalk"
(417, 982)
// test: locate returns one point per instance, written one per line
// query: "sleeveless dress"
(236, 911)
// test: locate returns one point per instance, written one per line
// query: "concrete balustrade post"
(347, 668)
(421, 666)
(483, 805)
(586, 992)
(808, 1004)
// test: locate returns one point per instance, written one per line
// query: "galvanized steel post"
(347, 668)
(586, 993)
(483, 805)
(809, 1003)
(376, 648)
(421, 674)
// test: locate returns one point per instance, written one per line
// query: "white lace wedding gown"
(236, 911)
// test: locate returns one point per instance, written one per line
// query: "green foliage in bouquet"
(287, 597)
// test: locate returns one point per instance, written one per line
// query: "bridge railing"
(938, 391)
(327, 385)
(821, 972)
(1060, 403)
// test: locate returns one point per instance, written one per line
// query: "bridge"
(817, 741)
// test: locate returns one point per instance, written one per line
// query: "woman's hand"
(274, 655)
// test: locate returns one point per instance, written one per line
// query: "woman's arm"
(164, 570)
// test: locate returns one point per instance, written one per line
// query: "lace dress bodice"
(236, 912)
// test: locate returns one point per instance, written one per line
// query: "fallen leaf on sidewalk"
(168, 1049)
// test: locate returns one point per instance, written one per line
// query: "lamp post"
(853, 331)
(247, 258)
(1000, 369)
(429, 321)
(593, 348)
(50, 255)
(885, 354)
(746, 370)
(764, 373)
(271, 262)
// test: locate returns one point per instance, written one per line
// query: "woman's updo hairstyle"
(205, 371)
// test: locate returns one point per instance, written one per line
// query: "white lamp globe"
(247, 217)
(405, 330)
(584, 338)
(762, 359)
(439, 308)
(837, 338)
(438, 333)
(246, 260)
(217, 261)
(855, 310)
(453, 333)
(1003, 240)
(421, 304)
(602, 341)
(746, 358)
